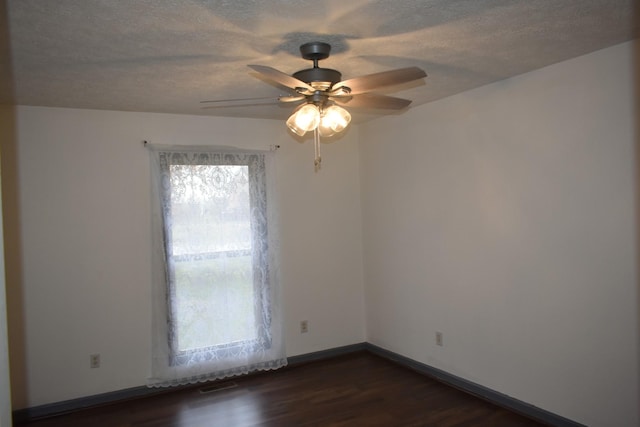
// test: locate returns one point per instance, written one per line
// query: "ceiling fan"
(321, 93)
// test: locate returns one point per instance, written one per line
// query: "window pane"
(209, 208)
(214, 302)
(211, 253)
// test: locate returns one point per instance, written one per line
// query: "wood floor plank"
(359, 389)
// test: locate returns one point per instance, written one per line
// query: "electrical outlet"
(439, 339)
(94, 361)
(304, 327)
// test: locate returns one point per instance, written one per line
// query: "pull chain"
(317, 163)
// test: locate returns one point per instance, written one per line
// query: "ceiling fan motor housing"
(319, 78)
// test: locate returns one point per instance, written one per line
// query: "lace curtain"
(216, 310)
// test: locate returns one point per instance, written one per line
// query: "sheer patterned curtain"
(216, 310)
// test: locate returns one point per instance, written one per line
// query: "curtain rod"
(159, 147)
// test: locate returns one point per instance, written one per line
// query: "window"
(215, 311)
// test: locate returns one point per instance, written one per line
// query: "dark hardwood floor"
(359, 389)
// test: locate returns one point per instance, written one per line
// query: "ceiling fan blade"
(280, 77)
(238, 100)
(249, 104)
(378, 80)
(281, 98)
(292, 98)
(370, 100)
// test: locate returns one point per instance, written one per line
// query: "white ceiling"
(167, 55)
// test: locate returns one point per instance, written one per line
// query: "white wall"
(504, 217)
(84, 201)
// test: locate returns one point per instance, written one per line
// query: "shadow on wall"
(11, 219)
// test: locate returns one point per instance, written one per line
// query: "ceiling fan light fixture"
(320, 88)
(304, 119)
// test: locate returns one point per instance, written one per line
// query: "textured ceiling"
(168, 55)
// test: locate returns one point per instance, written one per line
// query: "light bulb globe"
(304, 119)
(336, 118)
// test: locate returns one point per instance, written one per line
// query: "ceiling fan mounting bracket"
(315, 51)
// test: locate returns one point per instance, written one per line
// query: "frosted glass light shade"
(335, 118)
(325, 129)
(304, 119)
